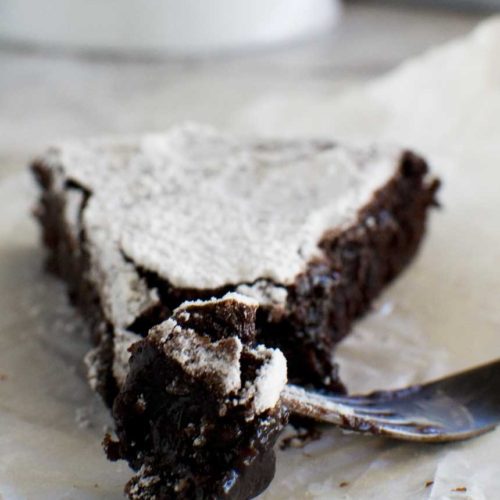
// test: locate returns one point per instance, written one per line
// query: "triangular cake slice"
(311, 229)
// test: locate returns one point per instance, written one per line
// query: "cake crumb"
(461, 489)
(344, 484)
(300, 438)
(429, 483)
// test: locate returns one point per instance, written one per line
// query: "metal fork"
(453, 408)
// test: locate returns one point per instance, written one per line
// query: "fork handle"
(312, 405)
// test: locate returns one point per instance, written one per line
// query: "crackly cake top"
(203, 209)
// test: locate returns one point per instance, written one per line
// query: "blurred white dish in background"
(183, 27)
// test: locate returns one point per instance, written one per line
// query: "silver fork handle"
(311, 405)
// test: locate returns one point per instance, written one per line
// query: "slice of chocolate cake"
(200, 409)
(312, 230)
(229, 252)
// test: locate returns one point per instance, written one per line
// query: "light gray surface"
(46, 96)
(440, 316)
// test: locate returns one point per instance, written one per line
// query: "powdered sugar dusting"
(265, 293)
(122, 340)
(204, 209)
(72, 207)
(270, 380)
(218, 361)
(235, 296)
(124, 295)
